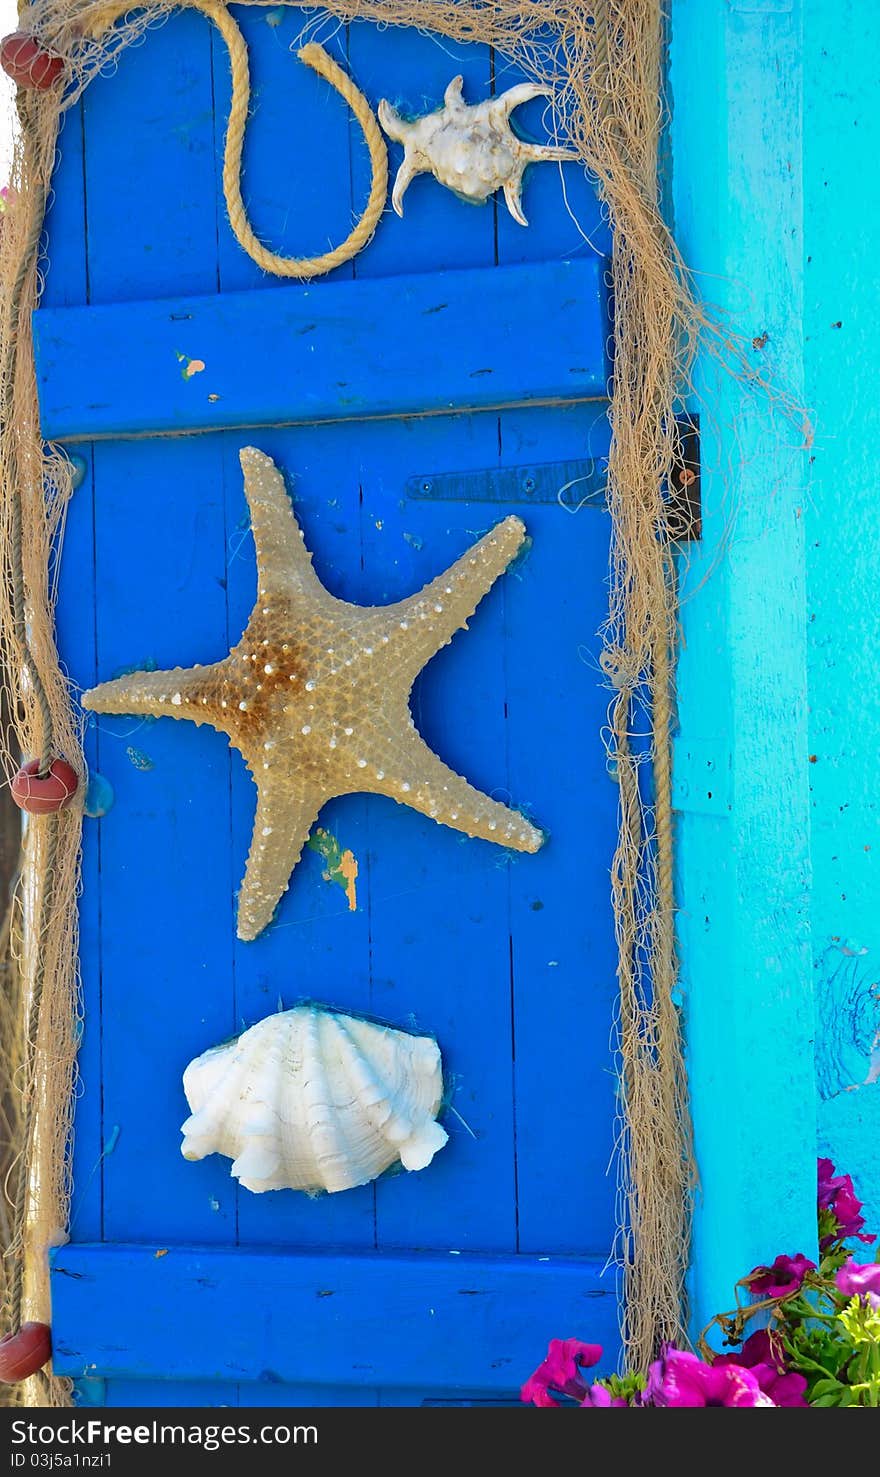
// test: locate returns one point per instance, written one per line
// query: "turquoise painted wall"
(842, 525)
(775, 141)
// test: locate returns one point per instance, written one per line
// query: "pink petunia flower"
(837, 1195)
(598, 1395)
(829, 1183)
(858, 1279)
(681, 1379)
(784, 1277)
(762, 1354)
(560, 1373)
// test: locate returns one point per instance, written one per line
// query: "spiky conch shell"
(311, 1099)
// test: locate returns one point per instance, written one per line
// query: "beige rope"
(317, 58)
(320, 61)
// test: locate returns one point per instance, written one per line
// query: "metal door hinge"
(574, 484)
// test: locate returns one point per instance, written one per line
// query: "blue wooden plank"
(160, 569)
(438, 901)
(297, 160)
(193, 1394)
(66, 278)
(271, 1395)
(318, 1320)
(415, 345)
(147, 1394)
(563, 959)
(152, 208)
(563, 953)
(166, 866)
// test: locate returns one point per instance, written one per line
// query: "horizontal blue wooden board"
(425, 344)
(223, 1313)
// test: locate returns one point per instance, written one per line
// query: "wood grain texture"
(842, 356)
(743, 872)
(346, 351)
(356, 1318)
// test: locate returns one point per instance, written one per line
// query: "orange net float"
(44, 794)
(28, 63)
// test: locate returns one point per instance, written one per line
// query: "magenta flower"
(762, 1354)
(837, 1195)
(680, 1379)
(560, 1373)
(782, 1279)
(760, 1347)
(847, 1209)
(858, 1279)
(829, 1183)
(597, 1395)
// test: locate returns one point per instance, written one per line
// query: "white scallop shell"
(310, 1099)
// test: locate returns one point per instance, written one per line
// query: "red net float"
(28, 63)
(44, 794)
(23, 1353)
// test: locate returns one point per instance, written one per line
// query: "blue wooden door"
(162, 350)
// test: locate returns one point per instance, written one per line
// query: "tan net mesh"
(603, 61)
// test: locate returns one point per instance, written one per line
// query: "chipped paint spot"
(190, 366)
(521, 556)
(339, 866)
(414, 541)
(163, 1251)
(848, 1006)
(149, 664)
(139, 759)
(99, 796)
(213, 399)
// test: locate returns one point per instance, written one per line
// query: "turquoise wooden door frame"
(411, 401)
(741, 761)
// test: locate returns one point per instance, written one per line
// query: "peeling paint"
(848, 1011)
(522, 555)
(190, 366)
(148, 664)
(340, 866)
(139, 759)
(99, 796)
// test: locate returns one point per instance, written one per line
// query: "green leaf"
(826, 1387)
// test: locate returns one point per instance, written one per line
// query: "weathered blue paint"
(333, 351)
(744, 865)
(357, 1317)
(842, 361)
(509, 961)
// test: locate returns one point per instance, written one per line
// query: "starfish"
(471, 149)
(315, 695)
